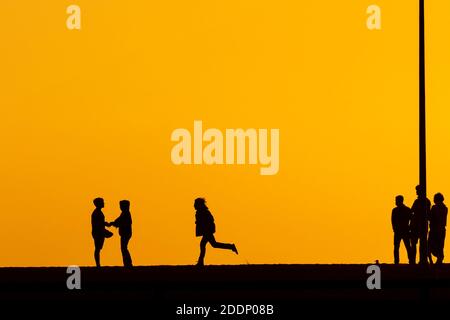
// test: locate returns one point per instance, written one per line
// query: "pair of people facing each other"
(99, 232)
(410, 225)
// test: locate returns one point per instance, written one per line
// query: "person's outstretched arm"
(116, 223)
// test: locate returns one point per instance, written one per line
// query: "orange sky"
(90, 112)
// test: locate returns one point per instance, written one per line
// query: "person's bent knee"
(213, 244)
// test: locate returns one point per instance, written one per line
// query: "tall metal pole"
(422, 100)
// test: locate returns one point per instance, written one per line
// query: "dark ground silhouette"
(292, 289)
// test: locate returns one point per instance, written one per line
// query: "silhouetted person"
(438, 222)
(205, 227)
(401, 216)
(419, 226)
(98, 228)
(123, 222)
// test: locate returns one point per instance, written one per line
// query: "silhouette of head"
(200, 203)
(99, 203)
(124, 205)
(420, 191)
(399, 200)
(438, 198)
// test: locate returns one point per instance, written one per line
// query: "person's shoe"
(424, 263)
(234, 249)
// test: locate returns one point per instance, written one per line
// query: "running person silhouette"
(205, 228)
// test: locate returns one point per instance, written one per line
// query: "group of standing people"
(204, 227)
(421, 224)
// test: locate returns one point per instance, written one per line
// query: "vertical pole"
(422, 122)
